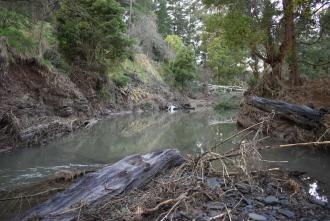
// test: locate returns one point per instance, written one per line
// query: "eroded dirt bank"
(314, 94)
(38, 105)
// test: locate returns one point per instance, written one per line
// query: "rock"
(214, 182)
(257, 217)
(289, 214)
(65, 111)
(271, 218)
(179, 215)
(247, 201)
(271, 200)
(248, 209)
(308, 219)
(242, 188)
(284, 202)
(215, 205)
(202, 218)
(318, 202)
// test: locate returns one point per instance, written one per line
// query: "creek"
(116, 137)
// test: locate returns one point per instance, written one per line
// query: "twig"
(237, 134)
(181, 197)
(326, 131)
(298, 144)
(218, 216)
(33, 195)
(156, 208)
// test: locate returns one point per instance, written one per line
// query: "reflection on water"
(315, 164)
(314, 191)
(113, 139)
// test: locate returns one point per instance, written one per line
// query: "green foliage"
(92, 31)
(10, 19)
(121, 80)
(316, 56)
(16, 28)
(183, 67)
(224, 61)
(142, 7)
(19, 40)
(238, 31)
(175, 42)
(163, 19)
(252, 82)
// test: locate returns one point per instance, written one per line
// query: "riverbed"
(118, 136)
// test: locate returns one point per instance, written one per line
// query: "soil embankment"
(312, 94)
(39, 105)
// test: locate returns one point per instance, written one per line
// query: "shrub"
(121, 80)
(183, 67)
(18, 40)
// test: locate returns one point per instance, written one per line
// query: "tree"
(144, 30)
(175, 43)
(163, 19)
(267, 28)
(183, 67)
(225, 63)
(314, 52)
(92, 31)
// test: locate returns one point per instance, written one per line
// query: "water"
(115, 138)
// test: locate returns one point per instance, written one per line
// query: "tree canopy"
(92, 30)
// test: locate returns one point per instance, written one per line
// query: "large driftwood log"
(303, 116)
(129, 173)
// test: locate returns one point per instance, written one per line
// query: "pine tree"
(163, 19)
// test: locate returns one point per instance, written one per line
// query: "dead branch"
(181, 197)
(317, 143)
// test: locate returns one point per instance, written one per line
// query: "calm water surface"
(115, 138)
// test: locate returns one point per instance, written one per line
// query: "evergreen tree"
(163, 19)
(92, 31)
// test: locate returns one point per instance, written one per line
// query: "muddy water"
(117, 137)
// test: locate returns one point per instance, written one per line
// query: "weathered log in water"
(303, 116)
(129, 173)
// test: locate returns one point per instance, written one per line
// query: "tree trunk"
(130, 173)
(288, 7)
(255, 66)
(130, 15)
(301, 115)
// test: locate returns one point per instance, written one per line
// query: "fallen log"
(129, 173)
(301, 115)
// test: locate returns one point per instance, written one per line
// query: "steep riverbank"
(39, 105)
